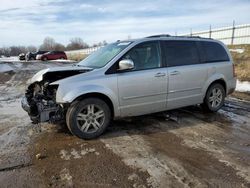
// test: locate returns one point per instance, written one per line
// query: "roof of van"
(166, 36)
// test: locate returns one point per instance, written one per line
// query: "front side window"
(145, 56)
(179, 53)
(104, 55)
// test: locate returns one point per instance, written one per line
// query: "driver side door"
(143, 90)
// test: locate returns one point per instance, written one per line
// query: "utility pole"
(210, 31)
(233, 29)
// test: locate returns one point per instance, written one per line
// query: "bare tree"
(16, 50)
(77, 43)
(31, 48)
(5, 51)
(48, 44)
(59, 47)
(104, 43)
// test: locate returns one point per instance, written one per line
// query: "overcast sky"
(26, 22)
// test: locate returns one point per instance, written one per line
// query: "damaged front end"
(40, 96)
(40, 103)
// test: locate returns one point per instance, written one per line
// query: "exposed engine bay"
(41, 100)
(40, 97)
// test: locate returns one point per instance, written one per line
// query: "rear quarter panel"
(220, 71)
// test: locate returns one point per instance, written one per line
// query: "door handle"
(174, 73)
(160, 74)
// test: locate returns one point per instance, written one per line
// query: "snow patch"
(9, 59)
(238, 50)
(67, 155)
(75, 154)
(5, 68)
(243, 86)
(65, 176)
(64, 60)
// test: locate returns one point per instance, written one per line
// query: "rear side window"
(213, 52)
(178, 53)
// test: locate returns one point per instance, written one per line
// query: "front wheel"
(214, 98)
(88, 118)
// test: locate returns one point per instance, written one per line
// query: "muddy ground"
(182, 148)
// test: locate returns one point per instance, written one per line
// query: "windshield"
(102, 56)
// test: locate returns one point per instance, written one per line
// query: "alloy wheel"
(90, 118)
(215, 98)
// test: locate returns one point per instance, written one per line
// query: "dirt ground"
(182, 148)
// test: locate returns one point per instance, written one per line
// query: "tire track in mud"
(163, 171)
(198, 163)
(154, 146)
(72, 162)
(225, 137)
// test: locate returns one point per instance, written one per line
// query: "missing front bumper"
(40, 112)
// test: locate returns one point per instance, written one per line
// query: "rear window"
(214, 52)
(178, 53)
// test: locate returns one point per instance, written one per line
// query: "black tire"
(78, 107)
(208, 102)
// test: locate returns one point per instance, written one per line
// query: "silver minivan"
(132, 78)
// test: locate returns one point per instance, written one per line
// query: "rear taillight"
(234, 73)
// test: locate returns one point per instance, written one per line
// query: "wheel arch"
(101, 96)
(218, 81)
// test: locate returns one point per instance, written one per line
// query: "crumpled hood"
(64, 72)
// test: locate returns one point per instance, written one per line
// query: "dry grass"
(243, 70)
(76, 56)
(242, 62)
(241, 95)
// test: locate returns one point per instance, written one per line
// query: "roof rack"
(161, 35)
(188, 36)
(167, 35)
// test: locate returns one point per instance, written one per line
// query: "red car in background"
(53, 55)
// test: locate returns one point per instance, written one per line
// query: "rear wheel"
(214, 98)
(88, 118)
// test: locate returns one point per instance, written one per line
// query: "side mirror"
(126, 64)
